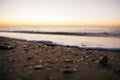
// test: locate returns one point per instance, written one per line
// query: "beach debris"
(38, 67)
(103, 62)
(5, 47)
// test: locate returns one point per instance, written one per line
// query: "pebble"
(38, 67)
(40, 61)
(56, 59)
(81, 58)
(25, 46)
(86, 57)
(77, 60)
(69, 61)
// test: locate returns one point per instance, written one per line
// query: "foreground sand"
(23, 60)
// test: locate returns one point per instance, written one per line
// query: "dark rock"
(103, 62)
(5, 47)
(26, 49)
(29, 58)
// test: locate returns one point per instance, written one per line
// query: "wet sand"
(28, 60)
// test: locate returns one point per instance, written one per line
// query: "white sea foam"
(80, 41)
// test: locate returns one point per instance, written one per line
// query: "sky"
(60, 12)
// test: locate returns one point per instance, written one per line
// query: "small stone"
(56, 59)
(86, 57)
(81, 58)
(26, 49)
(40, 61)
(29, 58)
(25, 46)
(69, 61)
(78, 60)
(38, 67)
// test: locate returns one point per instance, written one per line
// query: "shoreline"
(50, 43)
(31, 60)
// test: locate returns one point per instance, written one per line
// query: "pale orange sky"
(60, 13)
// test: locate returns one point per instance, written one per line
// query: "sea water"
(97, 41)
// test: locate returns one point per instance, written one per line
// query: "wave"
(103, 34)
(76, 31)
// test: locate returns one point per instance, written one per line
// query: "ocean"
(107, 38)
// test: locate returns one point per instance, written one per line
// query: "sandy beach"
(29, 60)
